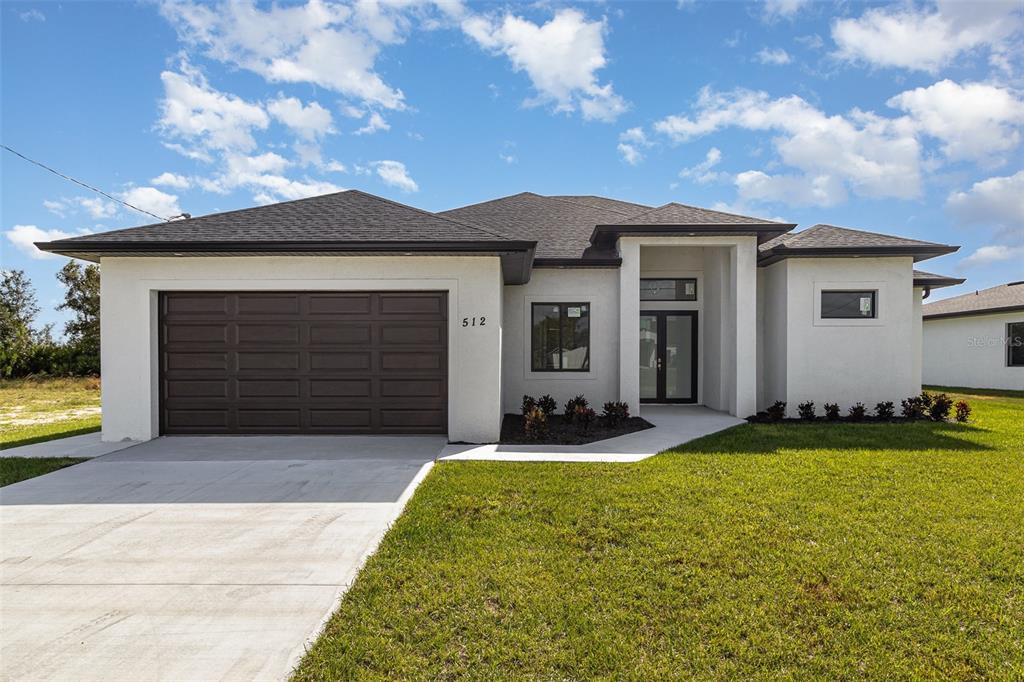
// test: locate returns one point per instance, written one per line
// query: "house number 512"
(474, 322)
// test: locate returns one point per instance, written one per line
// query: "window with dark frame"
(560, 337)
(676, 289)
(849, 305)
(1015, 344)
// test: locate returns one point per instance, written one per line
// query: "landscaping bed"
(562, 433)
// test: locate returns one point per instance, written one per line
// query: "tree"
(82, 297)
(18, 310)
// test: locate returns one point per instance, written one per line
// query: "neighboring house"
(349, 313)
(977, 339)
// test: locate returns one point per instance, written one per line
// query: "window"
(848, 305)
(1015, 344)
(561, 337)
(668, 289)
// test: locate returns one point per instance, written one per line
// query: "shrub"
(832, 411)
(615, 413)
(926, 399)
(885, 410)
(529, 402)
(584, 417)
(571, 406)
(963, 411)
(940, 406)
(777, 411)
(535, 424)
(857, 412)
(912, 408)
(806, 410)
(547, 405)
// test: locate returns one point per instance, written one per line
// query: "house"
(977, 339)
(349, 313)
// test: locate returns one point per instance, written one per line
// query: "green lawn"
(35, 410)
(14, 469)
(767, 551)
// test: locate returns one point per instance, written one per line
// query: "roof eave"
(918, 253)
(608, 234)
(971, 313)
(938, 282)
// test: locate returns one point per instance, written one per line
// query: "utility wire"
(88, 187)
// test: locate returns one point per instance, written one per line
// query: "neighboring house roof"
(822, 241)
(934, 281)
(1003, 298)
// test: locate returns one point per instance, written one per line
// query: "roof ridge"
(579, 203)
(430, 213)
(490, 201)
(638, 216)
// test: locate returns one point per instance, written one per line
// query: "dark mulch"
(764, 419)
(561, 433)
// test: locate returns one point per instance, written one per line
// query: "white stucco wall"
(599, 288)
(773, 296)
(847, 361)
(970, 351)
(129, 324)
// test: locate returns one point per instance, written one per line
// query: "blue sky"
(903, 118)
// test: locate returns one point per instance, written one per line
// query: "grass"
(35, 410)
(14, 469)
(767, 551)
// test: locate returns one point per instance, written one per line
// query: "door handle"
(659, 363)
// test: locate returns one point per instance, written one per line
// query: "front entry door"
(668, 356)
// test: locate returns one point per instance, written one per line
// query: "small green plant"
(857, 412)
(885, 410)
(832, 412)
(529, 402)
(584, 417)
(939, 408)
(547, 405)
(777, 411)
(571, 406)
(963, 411)
(806, 410)
(615, 413)
(535, 424)
(926, 399)
(913, 407)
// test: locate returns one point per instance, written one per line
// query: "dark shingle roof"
(623, 207)
(561, 227)
(350, 216)
(681, 214)
(1005, 297)
(934, 281)
(839, 241)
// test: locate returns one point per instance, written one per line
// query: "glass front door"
(668, 356)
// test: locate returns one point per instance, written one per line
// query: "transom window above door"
(677, 289)
(560, 337)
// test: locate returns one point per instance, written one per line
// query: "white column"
(743, 262)
(629, 324)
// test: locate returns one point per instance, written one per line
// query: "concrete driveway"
(184, 558)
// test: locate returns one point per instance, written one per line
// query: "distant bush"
(913, 407)
(857, 412)
(940, 406)
(963, 411)
(832, 411)
(885, 410)
(806, 410)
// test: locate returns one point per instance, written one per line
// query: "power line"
(79, 182)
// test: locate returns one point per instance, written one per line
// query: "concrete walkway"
(674, 425)
(87, 445)
(193, 558)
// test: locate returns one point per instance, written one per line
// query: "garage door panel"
(303, 362)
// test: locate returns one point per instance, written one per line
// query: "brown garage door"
(303, 362)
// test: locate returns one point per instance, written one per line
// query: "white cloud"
(395, 174)
(190, 153)
(997, 202)
(973, 121)
(23, 236)
(508, 158)
(32, 15)
(925, 39)
(987, 255)
(375, 123)
(329, 44)
(867, 154)
(168, 179)
(561, 58)
(56, 207)
(192, 110)
(783, 8)
(98, 208)
(153, 200)
(702, 172)
(309, 122)
(775, 56)
(631, 144)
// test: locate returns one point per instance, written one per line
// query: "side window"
(849, 305)
(1015, 344)
(560, 337)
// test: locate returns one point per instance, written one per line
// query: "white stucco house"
(349, 313)
(977, 339)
